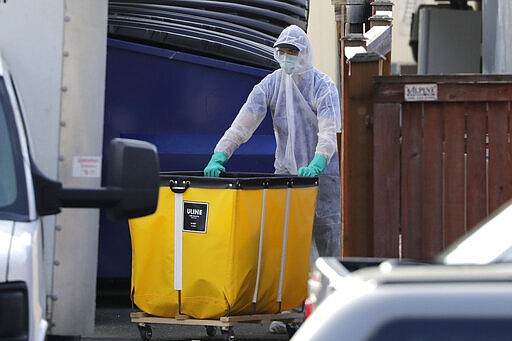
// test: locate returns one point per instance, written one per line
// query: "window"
(451, 329)
(13, 197)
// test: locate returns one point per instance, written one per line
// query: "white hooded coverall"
(305, 111)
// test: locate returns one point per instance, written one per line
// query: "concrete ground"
(114, 324)
(113, 308)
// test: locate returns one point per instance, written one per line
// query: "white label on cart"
(195, 216)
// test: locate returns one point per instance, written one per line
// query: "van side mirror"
(132, 184)
(133, 169)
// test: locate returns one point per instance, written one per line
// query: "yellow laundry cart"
(216, 248)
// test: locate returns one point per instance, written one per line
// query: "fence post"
(357, 159)
(362, 58)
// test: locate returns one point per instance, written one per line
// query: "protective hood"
(294, 35)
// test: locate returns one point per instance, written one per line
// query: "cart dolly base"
(225, 323)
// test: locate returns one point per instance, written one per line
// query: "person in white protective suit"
(305, 108)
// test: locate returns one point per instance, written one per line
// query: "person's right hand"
(315, 168)
(216, 165)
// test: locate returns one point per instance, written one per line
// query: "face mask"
(288, 63)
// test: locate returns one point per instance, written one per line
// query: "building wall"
(401, 52)
(497, 45)
(322, 34)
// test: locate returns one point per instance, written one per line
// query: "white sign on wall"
(86, 166)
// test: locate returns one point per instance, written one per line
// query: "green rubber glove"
(315, 168)
(216, 164)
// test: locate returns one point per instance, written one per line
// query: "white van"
(26, 195)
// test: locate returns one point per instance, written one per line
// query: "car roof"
(387, 273)
(360, 316)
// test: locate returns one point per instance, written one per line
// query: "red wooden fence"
(442, 159)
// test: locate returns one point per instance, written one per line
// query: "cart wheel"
(145, 331)
(228, 333)
(291, 328)
(211, 330)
